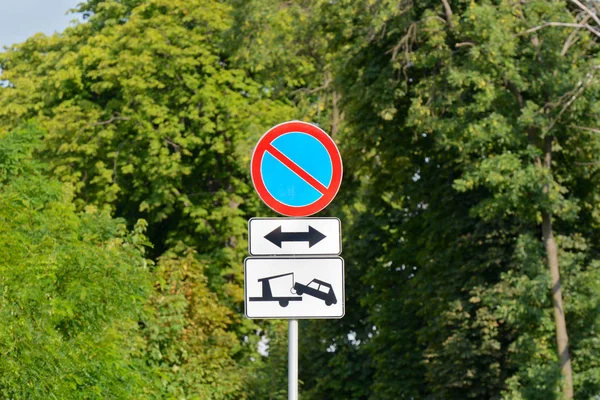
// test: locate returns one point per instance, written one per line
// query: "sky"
(20, 19)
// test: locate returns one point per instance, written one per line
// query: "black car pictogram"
(319, 289)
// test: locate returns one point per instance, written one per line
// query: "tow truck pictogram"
(315, 288)
(267, 293)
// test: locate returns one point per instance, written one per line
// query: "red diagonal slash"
(296, 169)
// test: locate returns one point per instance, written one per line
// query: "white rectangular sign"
(291, 236)
(294, 288)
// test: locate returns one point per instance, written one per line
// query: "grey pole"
(293, 360)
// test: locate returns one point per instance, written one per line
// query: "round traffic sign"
(296, 169)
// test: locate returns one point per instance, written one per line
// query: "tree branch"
(337, 116)
(448, 11)
(585, 128)
(324, 86)
(513, 89)
(116, 160)
(587, 10)
(579, 88)
(572, 37)
(563, 24)
(109, 121)
(405, 41)
(115, 167)
(170, 141)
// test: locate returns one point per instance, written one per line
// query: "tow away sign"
(294, 236)
(294, 288)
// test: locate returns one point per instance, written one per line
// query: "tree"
(187, 340)
(469, 136)
(450, 109)
(485, 114)
(268, 380)
(146, 118)
(73, 286)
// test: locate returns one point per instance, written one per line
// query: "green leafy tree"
(479, 121)
(72, 288)
(470, 129)
(187, 340)
(470, 212)
(269, 377)
(146, 117)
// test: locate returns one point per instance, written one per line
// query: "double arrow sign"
(301, 236)
(277, 237)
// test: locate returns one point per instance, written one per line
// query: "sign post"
(295, 271)
(293, 359)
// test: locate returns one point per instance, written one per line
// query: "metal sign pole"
(293, 360)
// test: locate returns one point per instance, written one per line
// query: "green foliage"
(455, 115)
(187, 341)
(445, 121)
(146, 118)
(269, 374)
(72, 286)
(444, 112)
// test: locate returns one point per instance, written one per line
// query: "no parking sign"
(296, 169)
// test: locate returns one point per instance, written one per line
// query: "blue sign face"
(287, 184)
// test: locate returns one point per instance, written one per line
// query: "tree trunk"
(562, 339)
(337, 115)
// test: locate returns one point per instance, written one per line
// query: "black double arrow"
(313, 236)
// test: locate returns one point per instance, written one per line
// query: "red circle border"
(336, 163)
